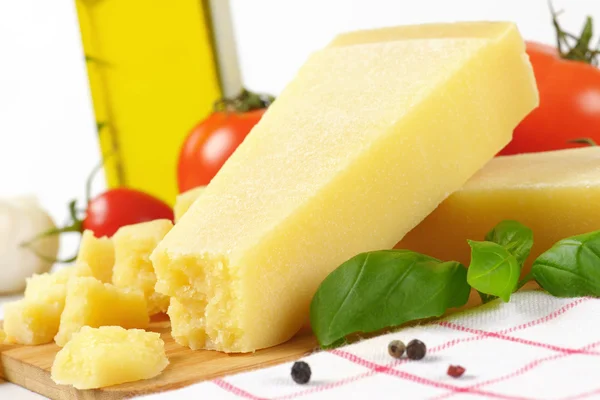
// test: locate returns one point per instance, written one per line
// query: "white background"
(47, 130)
(47, 134)
(47, 127)
(274, 37)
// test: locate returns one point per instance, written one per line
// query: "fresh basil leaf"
(570, 268)
(386, 288)
(514, 237)
(493, 270)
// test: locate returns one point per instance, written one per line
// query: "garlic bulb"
(21, 219)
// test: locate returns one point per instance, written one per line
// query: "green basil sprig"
(570, 268)
(379, 289)
(387, 288)
(493, 272)
(496, 263)
(514, 237)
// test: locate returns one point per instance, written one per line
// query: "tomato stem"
(96, 60)
(588, 141)
(50, 259)
(245, 101)
(76, 225)
(580, 50)
(92, 175)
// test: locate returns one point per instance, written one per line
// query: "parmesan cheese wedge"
(554, 193)
(360, 147)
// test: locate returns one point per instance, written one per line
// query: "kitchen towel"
(534, 347)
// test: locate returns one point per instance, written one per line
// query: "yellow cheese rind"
(109, 355)
(474, 29)
(556, 194)
(31, 322)
(98, 253)
(185, 200)
(90, 302)
(362, 145)
(133, 245)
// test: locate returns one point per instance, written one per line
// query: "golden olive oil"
(153, 76)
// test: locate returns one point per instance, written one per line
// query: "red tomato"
(115, 208)
(210, 144)
(569, 104)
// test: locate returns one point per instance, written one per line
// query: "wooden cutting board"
(29, 366)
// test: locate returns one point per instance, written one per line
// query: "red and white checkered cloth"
(535, 347)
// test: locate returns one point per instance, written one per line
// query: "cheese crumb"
(90, 302)
(98, 253)
(133, 269)
(35, 319)
(31, 322)
(185, 200)
(109, 355)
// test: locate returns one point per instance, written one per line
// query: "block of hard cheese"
(556, 194)
(361, 145)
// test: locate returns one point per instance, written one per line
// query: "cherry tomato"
(115, 208)
(210, 144)
(569, 104)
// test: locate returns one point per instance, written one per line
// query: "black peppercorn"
(415, 350)
(396, 348)
(301, 372)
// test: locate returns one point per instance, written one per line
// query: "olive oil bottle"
(153, 75)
